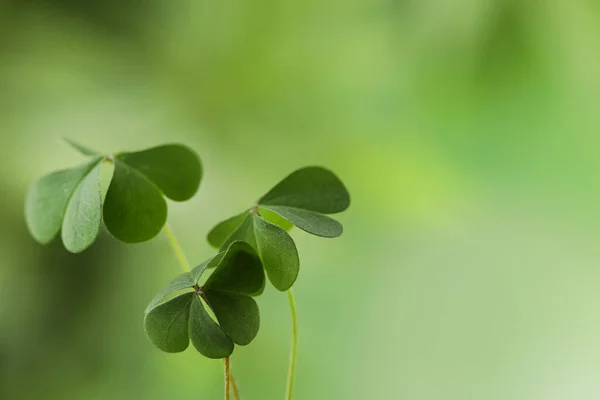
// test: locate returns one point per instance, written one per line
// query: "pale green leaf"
(275, 219)
(83, 217)
(48, 198)
(311, 222)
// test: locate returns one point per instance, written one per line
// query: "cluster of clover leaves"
(134, 209)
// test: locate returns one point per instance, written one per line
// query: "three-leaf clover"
(134, 210)
(238, 275)
(302, 198)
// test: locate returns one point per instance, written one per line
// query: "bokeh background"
(466, 130)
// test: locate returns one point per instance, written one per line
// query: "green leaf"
(311, 222)
(238, 275)
(173, 168)
(86, 151)
(182, 282)
(277, 252)
(237, 314)
(261, 290)
(244, 233)
(48, 198)
(83, 217)
(240, 271)
(275, 247)
(275, 219)
(223, 230)
(210, 263)
(187, 280)
(167, 325)
(312, 188)
(207, 336)
(134, 209)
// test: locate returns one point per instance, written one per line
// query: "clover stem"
(183, 262)
(294, 350)
(227, 379)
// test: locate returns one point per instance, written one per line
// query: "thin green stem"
(294, 350)
(183, 262)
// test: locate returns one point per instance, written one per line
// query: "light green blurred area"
(467, 132)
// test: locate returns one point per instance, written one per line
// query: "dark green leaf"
(167, 325)
(221, 233)
(207, 336)
(86, 151)
(210, 263)
(311, 222)
(48, 198)
(237, 314)
(240, 271)
(244, 233)
(261, 290)
(311, 188)
(182, 282)
(173, 168)
(277, 252)
(134, 209)
(83, 217)
(275, 247)
(223, 230)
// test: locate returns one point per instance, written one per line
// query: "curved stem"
(183, 262)
(227, 380)
(294, 350)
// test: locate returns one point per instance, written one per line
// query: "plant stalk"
(227, 380)
(294, 350)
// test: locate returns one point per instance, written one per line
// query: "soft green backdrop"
(467, 131)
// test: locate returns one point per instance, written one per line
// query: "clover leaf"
(275, 247)
(172, 324)
(221, 232)
(304, 196)
(134, 210)
(67, 200)
(302, 199)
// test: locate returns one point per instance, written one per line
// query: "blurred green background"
(467, 132)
